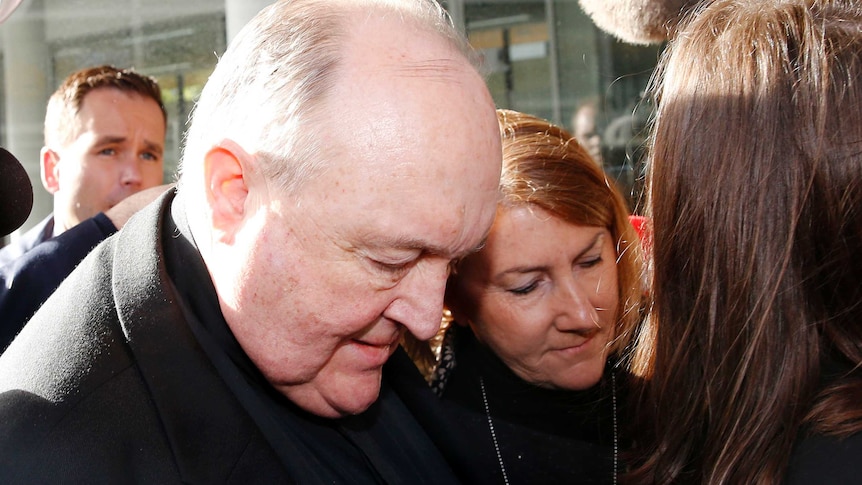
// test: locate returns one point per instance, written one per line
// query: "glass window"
(548, 58)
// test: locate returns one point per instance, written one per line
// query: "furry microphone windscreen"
(7, 7)
(637, 21)
(16, 193)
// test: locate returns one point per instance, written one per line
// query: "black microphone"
(16, 193)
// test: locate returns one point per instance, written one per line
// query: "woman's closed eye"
(589, 262)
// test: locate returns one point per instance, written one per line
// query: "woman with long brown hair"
(532, 380)
(755, 194)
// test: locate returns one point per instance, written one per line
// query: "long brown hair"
(755, 194)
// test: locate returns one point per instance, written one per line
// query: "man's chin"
(338, 401)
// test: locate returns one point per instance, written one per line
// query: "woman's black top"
(543, 435)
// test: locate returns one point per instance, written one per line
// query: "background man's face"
(115, 151)
(334, 275)
(586, 132)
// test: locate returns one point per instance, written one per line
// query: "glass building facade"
(543, 57)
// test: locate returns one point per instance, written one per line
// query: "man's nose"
(131, 173)
(419, 305)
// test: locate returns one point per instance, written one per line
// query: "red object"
(643, 228)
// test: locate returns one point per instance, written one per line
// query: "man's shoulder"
(107, 378)
(59, 434)
(70, 397)
(77, 343)
(74, 343)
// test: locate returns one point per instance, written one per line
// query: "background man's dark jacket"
(38, 234)
(28, 280)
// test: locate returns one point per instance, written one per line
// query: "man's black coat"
(108, 384)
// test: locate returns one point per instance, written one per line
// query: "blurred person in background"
(586, 130)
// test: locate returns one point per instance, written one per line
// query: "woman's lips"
(575, 346)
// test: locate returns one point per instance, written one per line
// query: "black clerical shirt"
(382, 445)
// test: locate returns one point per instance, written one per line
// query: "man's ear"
(226, 174)
(49, 169)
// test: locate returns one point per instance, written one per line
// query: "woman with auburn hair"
(755, 195)
(532, 379)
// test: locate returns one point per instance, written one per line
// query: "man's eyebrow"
(109, 139)
(112, 139)
(156, 147)
(408, 242)
(415, 244)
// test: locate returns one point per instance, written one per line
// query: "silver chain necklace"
(497, 445)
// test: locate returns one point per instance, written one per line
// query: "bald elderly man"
(341, 155)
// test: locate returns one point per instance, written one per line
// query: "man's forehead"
(437, 69)
(390, 44)
(395, 71)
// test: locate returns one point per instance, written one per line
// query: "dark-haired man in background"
(104, 140)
